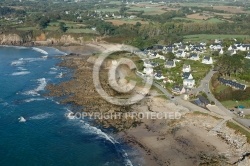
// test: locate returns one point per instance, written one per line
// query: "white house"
(180, 54)
(187, 75)
(207, 60)
(221, 52)
(230, 48)
(194, 57)
(148, 71)
(147, 64)
(186, 68)
(178, 90)
(160, 57)
(170, 64)
(189, 83)
(248, 56)
(159, 76)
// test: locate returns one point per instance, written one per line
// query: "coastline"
(162, 142)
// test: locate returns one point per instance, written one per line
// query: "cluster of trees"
(4, 11)
(236, 65)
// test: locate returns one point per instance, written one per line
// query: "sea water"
(47, 137)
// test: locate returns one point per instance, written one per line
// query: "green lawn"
(147, 11)
(206, 37)
(26, 28)
(230, 104)
(81, 31)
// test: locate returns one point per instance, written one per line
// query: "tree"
(62, 27)
(43, 22)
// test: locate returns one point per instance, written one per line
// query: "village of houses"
(182, 53)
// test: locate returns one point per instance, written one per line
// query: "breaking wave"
(40, 50)
(41, 116)
(42, 84)
(94, 130)
(20, 73)
(33, 99)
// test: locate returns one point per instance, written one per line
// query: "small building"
(207, 60)
(194, 56)
(221, 52)
(178, 90)
(148, 71)
(187, 75)
(232, 84)
(189, 83)
(159, 76)
(248, 56)
(170, 64)
(202, 101)
(186, 68)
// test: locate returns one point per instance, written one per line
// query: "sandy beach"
(162, 142)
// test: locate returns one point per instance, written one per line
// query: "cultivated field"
(207, 37)
(118, 22)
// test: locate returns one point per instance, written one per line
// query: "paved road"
(192, 107)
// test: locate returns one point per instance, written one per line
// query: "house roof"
(170, 63)
(203, 100)
(232, 83)
(207, 58)
(194, 55)
(177, 88)
(186, 75)
(186, 66)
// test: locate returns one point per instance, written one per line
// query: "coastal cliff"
(30, 39)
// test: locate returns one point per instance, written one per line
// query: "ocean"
(47, 137)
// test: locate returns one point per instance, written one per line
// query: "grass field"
(231, 104)
(26, 28)
(148, 10)
(81, 31)
(199, 20)
(207, 37)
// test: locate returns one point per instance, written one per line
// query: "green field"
(81, 31)
(231, 104)
(147, 11)
(109, 10)
(26, 28)
(207, 37)
(211, 20)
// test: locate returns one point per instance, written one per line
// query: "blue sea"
(47, 137)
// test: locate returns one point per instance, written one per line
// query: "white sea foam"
(60, 75)
(41, 116)
(60, 52)
(52, 72)
(33, 99)
(21, 69)
(100, 133)
(17, 62)
(42, 84)
(20, 73)
(17, 47)
(93, 130)
(33, 59)
(40, 50)
(53, 68)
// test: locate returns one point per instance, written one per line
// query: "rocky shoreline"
(162, 142)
